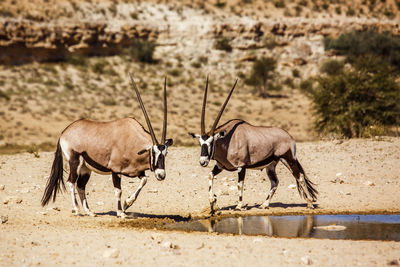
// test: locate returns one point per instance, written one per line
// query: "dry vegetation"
(37, 100)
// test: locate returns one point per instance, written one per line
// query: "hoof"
(75, 212)
(310, 206)
(91, 214)
(238, 208)
(121, 214)
(265, 206)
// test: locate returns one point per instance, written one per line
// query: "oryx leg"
(274, 183)
(118, 192)
(129, 201)
(293, 165)
(241, 175)
(83, 178)
(211, 196)
(73, 176)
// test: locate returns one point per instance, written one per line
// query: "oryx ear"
(219, 135)
(144, 150)
(169, 142)
(194, 135)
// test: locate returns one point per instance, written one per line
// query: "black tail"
(56, 177)
(310, 185)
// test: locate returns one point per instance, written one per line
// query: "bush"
(355, 44)
(141, 50)
(223, 43)
(262, 76)
(332, 67)
(353, 103)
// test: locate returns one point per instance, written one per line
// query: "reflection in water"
(376, 227)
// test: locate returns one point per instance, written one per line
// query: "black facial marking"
(204, 150)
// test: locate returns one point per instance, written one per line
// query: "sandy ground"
(356, 176)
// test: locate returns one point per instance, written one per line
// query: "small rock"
(5, 201)
(2, 187)
(257, 240)
(337, 180)
(393, 263)
(224, 193)
(111, 253)
(339, 174)
(292, 186)
(306, 260)
(3, 219)
(100, 203)
(168, 244)
(369, 183)
(232, 188)
(152, 191)
(18, 200)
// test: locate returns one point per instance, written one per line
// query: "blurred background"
(320, 69)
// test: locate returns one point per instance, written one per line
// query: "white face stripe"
(157, 154)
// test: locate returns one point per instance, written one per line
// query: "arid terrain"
(357, 176)
(64, 60)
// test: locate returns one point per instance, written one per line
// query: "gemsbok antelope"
(119, 147)
(238, 146)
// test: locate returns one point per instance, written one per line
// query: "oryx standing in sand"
(238, 146)
(119, 147)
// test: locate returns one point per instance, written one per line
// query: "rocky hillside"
(61, 61)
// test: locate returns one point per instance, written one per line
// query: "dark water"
(355, 227)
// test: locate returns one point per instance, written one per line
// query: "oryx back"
(108, 146)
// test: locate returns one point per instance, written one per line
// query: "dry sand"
(356, 176)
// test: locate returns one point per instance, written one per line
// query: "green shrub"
(4, 95)
(357, 43)
(141, 50)
(223, 43)
(280, 4)
(77, 60)
(296, 73)
(332, 67)
(262, 76)
(220, 4)
(353, 103)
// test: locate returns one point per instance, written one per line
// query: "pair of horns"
(203, 110)
(164, 130)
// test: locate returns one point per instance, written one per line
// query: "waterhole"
(355, 227)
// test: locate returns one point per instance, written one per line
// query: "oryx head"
(207, 140)
(157, 151)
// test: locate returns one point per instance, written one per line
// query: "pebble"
(2, 187)
(18, 200)
(3, 219)
(257, 240)
(306, 260)
(292, 186)
(369, 183)
(152, 191)
(5, 201)
(111, 253)
(100, 203)
(168, 244)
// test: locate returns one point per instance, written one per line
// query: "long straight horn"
(164, 130)
(222, 109)
(153, 137)
(203, 110)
